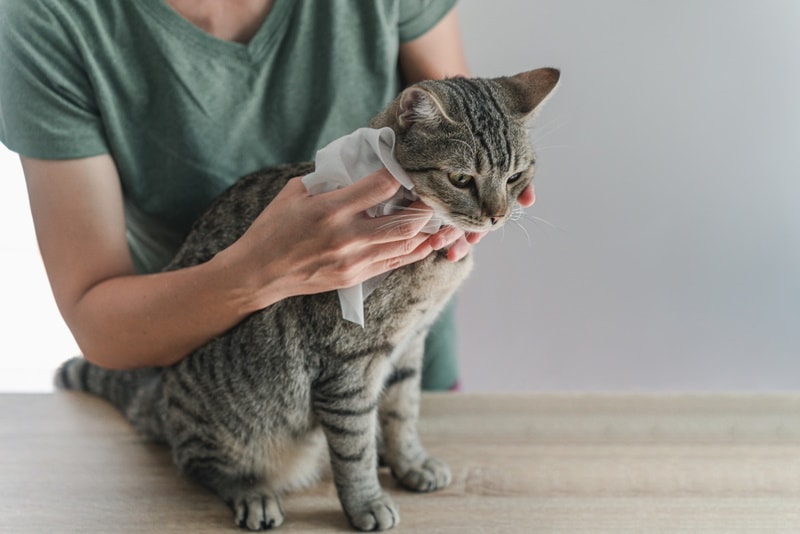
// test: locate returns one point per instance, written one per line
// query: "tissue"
(345, 161)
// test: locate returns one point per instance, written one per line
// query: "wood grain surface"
(524, 463)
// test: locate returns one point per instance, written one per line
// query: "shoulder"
(43, 28)
(44, 37)
(20, 16)
(49, 20)
(46, 103)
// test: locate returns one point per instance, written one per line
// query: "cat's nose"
(494, 210)
(495, 217)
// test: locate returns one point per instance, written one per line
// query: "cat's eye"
(513, 178)
(461, 180)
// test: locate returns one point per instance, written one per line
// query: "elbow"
(102, 357)
(100, 350)
(121, 356)
(103, 348)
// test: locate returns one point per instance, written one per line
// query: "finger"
(387, 251)
(416, 206)
(366, 193)
(527, 197)
(458, 250)
(401, 226)
(475, 237)
(420, 252)
(445, 237)
(392, 256)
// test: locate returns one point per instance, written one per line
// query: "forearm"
(118, 318)
(157, 319)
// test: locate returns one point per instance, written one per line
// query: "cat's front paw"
(377, 514)
(430, 475)
(257, 512)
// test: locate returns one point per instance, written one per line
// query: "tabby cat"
(259, 410)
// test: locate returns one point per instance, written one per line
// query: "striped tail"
(137, 393)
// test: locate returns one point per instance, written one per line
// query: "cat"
(261, 410)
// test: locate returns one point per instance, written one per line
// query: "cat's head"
(465, 144)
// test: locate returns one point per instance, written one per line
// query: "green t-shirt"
(185, 114)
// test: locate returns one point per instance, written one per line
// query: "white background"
(668, 177)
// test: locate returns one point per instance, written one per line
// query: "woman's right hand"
(303, 244)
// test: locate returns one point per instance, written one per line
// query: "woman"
(130, 117)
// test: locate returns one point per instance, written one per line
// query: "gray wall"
(668, 178)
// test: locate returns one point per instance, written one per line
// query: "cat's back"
(232, 213)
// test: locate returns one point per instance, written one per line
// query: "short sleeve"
(46, 97)
(419, 16)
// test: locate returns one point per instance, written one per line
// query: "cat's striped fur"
(261, 409)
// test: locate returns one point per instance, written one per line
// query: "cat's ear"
(421, 107)
(528, 90)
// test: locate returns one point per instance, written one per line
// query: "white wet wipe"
(347, 160)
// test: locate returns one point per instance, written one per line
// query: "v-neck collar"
(183, 29)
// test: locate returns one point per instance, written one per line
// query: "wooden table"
(533, 463)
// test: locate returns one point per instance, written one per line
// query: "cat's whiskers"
(518, 212)
(400, 220)
(524, 230)
(518, 215)
(401, 208)
(403, 215)
(534, 219)
(546, 130)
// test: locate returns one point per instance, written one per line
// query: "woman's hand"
(303, 244)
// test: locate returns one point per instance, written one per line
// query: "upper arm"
(439, 53)
(79, 219)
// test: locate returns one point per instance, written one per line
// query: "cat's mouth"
(469, 223)
(463, 221)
